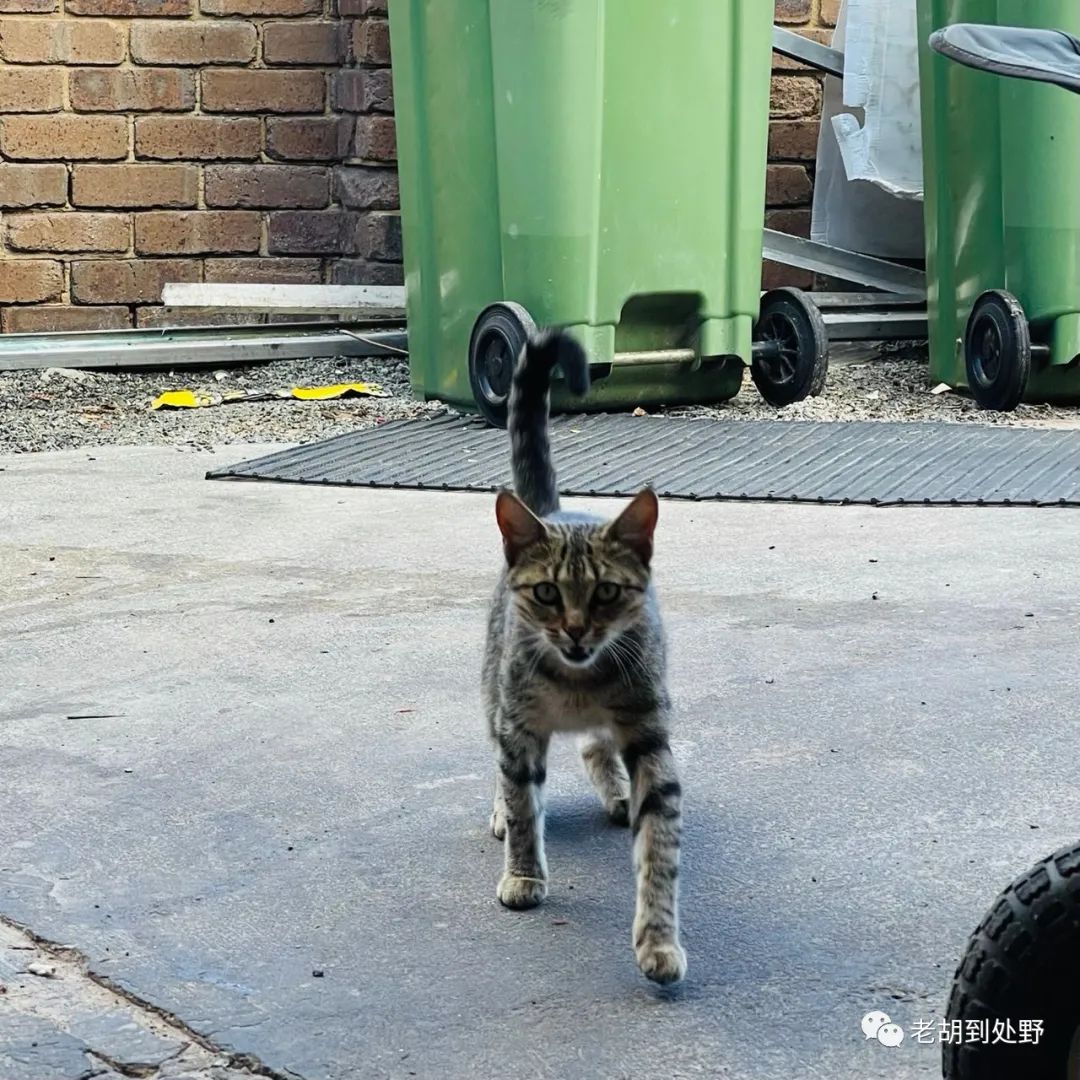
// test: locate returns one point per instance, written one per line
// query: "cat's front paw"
(520, 892)
(663, 962)
(498, 823)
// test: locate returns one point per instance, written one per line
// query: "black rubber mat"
(876, 463)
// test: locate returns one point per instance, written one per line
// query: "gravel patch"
(83, 409)
(58, 412)
(894, 386)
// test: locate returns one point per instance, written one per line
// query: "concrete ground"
(240, 745)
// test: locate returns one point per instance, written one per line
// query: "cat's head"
(578, 586)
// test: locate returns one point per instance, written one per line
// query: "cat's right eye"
(547, 593)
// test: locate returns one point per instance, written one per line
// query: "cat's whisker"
(611, 648)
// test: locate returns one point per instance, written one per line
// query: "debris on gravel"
(58, 410)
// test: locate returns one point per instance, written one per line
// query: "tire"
(790, 320)
(498, 336)
(997, 352)
(1022, 964)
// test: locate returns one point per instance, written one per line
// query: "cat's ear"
(519, 526)
(635, 526)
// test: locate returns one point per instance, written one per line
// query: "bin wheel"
(497, 339)
(1021, 965)
(790, 320)
(997, 351)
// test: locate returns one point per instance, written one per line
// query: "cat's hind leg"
(604, 765)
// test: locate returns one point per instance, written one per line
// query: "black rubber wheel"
(1022, 964)
(791, 321)
(997, 351)
(497, 339)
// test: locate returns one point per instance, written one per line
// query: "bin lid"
(1051, 56)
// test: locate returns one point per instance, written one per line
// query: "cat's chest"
(561, 709)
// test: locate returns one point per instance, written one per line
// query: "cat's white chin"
(579, 657)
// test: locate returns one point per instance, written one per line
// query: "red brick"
(778, 276)
(128, 281)
(376, 138)
(304, 43)
(275, 187)
(130, 9)
(263, 91)
(275, 271)
(363, 90)
(371, 41)
(22, 186)
(830, 11)
(53, 41)
(792, 222)
(378, 236)
(792, 11)
(312, 138)
(30, 281)
(131, 90)
(362, 272)
(56, 318)
(788, 185)
(794, 140)
(134, 186)
(311, 232)
(28, 6)
(31, 90)
(64, 138)
(194, 44)
(361, 187)
(167, 316)
(261, 7)
(166, 232)
(202, 138)
(794, 96)
(65, 231)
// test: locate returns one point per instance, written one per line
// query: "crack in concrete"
(76, 989)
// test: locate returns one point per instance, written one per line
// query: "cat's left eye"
(607, 592)
(547, 593)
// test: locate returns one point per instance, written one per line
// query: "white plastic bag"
(865, 214)
(881, 77)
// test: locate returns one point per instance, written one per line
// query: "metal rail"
(864, 270)
(216, 346)
(797, 47)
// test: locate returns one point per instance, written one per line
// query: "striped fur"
(530, 450)
(575, 644)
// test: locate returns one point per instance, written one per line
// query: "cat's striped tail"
(530, 407)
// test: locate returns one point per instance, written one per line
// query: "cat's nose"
(575, 633)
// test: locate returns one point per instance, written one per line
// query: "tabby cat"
(575, 644)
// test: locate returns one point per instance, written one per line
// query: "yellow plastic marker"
(198, 399)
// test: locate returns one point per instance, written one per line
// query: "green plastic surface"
(1002, 171)
(602, 163)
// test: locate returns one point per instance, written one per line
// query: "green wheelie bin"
(1002, 178)
(598, 166)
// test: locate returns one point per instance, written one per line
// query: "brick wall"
(793, 137)
(144, 141)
